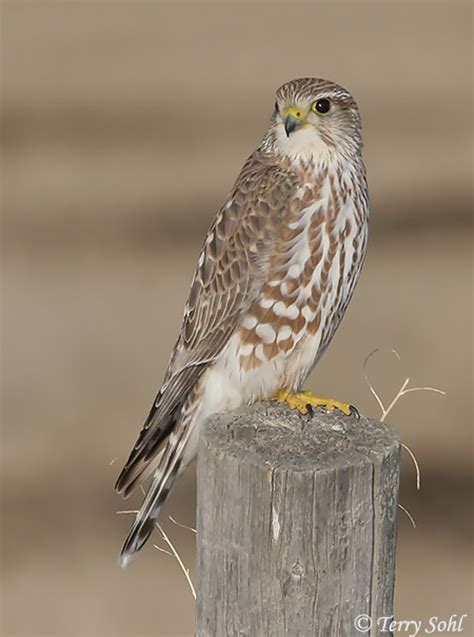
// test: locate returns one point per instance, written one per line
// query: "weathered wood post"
(296, 524)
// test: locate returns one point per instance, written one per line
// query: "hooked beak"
(294, 118)
(291, 124)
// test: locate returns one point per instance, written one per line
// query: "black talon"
(354, 412)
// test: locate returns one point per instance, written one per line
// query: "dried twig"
(408, 514)
(404, 389)
(172, 552)
(162, 550)
(176, 555)
(415, 462)
(183, 526)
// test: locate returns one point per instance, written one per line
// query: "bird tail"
(163, 482)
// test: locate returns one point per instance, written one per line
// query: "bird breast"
(311, 275)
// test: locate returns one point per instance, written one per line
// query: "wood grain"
(296, 523)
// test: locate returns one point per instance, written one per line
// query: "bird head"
(314, 119)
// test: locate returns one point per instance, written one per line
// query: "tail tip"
(139, 534)
(125, 558)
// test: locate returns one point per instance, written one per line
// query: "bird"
(274, 277)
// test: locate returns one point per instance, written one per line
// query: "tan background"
(124, 125)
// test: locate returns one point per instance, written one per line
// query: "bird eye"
(322, 106)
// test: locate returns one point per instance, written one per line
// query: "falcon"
(274, 277)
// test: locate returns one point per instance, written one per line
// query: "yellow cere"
(297, 113)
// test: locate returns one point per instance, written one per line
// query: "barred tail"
(147, 516)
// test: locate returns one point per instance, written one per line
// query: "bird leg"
(306, 401)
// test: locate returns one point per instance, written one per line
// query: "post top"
(272, 434)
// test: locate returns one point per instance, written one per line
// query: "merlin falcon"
(275, 275)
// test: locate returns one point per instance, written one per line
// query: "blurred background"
(123, 127)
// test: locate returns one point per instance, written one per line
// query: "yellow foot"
(306, 401)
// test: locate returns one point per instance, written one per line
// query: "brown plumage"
(274, 277)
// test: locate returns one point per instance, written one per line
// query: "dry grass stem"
(415, 462)
(408, 514)
(404, 389)
(183, 526)
(172, 552)
(162, 550)
(176, 555)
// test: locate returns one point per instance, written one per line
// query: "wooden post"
(296, 524)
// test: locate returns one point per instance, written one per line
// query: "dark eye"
(322, 106)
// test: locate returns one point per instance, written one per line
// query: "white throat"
(304, 144)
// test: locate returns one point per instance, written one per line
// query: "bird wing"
(230, 272)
